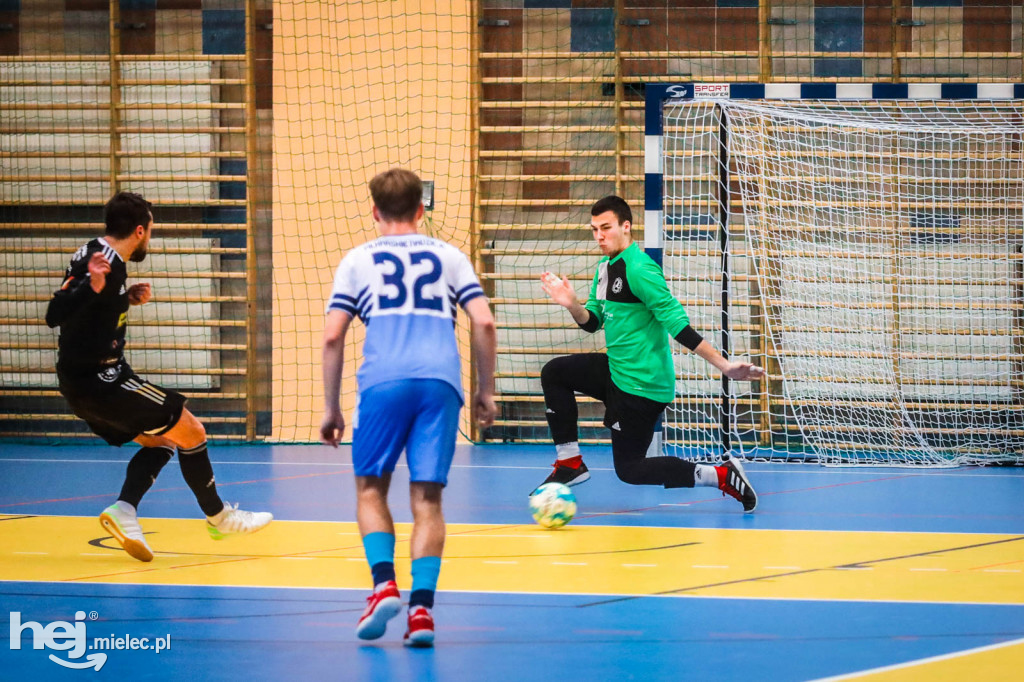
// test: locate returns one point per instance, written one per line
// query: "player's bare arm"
(332, 427)
(485, 350)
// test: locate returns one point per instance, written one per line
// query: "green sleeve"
(648, 284)
(595, 306)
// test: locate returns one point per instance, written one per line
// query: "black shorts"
(118, 405)
(632, 416)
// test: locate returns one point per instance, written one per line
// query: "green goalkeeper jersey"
(630, 299)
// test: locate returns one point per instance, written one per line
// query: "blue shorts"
(420, 416)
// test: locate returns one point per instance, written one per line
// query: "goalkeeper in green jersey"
(635, 379)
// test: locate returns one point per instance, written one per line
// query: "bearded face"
(139, 254)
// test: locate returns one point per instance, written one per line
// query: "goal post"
(862, 242)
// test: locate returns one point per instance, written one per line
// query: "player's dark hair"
(616, 205)
(397, 194)
(124, 212)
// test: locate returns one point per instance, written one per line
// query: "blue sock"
(380, 554)
(424, 581)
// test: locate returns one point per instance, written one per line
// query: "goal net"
(868, 254)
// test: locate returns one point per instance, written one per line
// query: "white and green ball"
(553, 505)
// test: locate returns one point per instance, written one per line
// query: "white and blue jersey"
(406, 289)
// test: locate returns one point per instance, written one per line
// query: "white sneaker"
(124, 526)
(234, 521)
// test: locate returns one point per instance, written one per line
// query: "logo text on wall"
(68, 637)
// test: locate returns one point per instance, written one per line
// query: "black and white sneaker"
(566, 475)
(736, 484)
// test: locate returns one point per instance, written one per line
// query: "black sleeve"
(591, 325)
(73, 294)
(689, 337)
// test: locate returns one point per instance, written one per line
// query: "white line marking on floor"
(495, 535)
(781, 470)
(707, 566)
(41, 553)
(921, 661)
(929, 569)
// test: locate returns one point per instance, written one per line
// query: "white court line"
(40, 553)
(921, 661)
(817, 471)
(596, 595)
(475, 534)
(596, 515)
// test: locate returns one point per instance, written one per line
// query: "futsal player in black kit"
(91, 309)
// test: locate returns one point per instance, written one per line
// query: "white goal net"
(872, 263)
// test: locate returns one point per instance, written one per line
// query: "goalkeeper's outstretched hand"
(559, 289)
(743, 371)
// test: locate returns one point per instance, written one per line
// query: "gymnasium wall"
(521, 111)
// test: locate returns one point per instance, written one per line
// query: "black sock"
(383, 571)
(143, 469)
(198, 473)
(422, 598)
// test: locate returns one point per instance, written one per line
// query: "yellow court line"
(598, 560)
(994, 663)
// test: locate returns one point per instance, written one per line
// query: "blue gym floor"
(551, 628)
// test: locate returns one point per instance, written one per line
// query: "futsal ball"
(553, 505)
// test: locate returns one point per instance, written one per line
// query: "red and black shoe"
(421, 628)
(733, 481)
(381, 606)
(568, 472)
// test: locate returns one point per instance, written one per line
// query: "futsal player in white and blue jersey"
(406, 288)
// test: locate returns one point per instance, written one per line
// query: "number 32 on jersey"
(411, 282)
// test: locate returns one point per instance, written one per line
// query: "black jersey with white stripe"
(92, 326)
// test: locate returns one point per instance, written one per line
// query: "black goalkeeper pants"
(631, 418)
